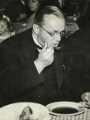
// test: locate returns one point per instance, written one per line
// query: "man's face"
(33, 5)
(50, 31)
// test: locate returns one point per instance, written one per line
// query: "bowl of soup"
(66, 110)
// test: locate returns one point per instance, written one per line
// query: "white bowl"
(13, 111)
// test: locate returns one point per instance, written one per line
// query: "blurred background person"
(22, 12)
(77, 14)
(6, 28)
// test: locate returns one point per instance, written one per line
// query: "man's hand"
(45, 58)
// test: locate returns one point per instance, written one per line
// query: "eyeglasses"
(62, 33)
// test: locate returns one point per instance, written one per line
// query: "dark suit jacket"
(19, 79)
(77, 60)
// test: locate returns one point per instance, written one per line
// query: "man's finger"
(45, 46)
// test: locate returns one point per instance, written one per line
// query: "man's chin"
(57, 47)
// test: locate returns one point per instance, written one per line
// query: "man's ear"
(36, 28)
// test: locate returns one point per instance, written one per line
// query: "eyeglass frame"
(62, 33)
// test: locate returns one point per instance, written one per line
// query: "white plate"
(13, 111)
(65, 104)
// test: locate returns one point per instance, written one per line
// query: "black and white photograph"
(44, 60)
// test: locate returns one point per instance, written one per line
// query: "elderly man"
(31, 63)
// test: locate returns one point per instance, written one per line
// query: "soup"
(65, 110)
